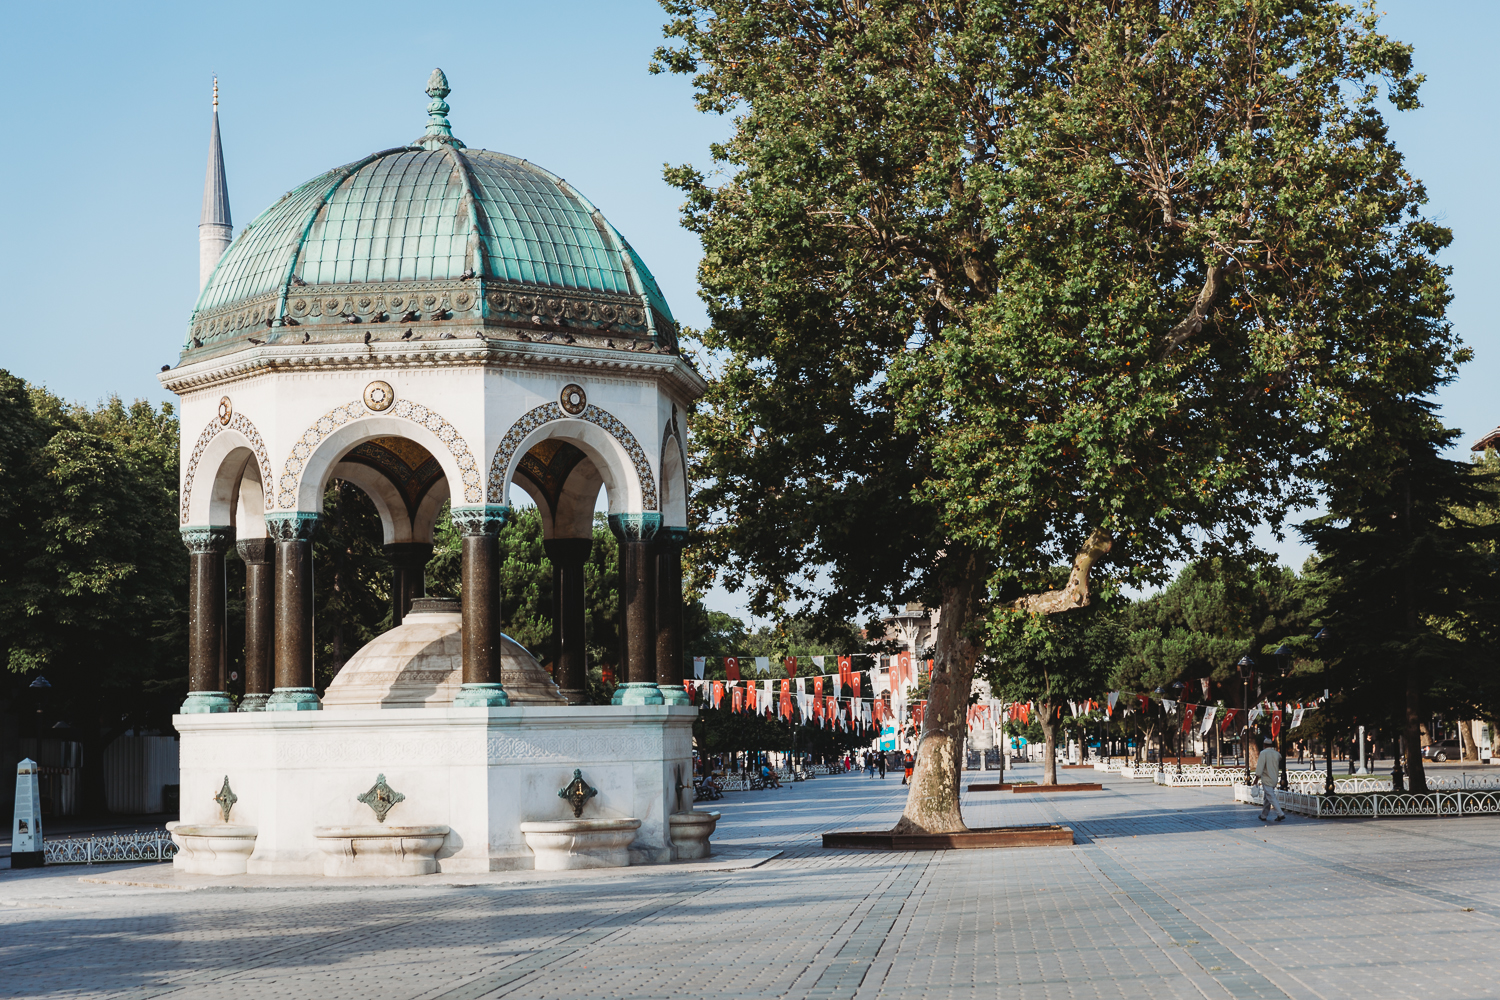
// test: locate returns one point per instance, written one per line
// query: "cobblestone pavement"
(1169, 893)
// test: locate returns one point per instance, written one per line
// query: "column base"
(481, 696)
(206, 702)
(637, 694)
(298, 699)
(673, 694)
(253, 703)
(575, 696)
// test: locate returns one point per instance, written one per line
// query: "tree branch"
(1076, 594)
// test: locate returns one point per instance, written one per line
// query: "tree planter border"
(1072, 786)
(981, 839)
(994, 786)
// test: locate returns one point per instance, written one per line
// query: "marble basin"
(212, 848)
(690, 832)
(379, 850)
(564, 845)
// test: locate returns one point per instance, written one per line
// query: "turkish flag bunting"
(687, 685)
(846, 672)
(1229, 714)
(718, 694)
(750, 697)
(1144, 699)
(786, 702)
(832, 711)
(903, 664)
(737, 700)
(1187, 717)
(817, 687)
(1275, 725)
(929, 669)
(854, 684)
(732, 667)
(791, 666)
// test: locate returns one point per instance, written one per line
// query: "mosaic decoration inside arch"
(337, 417)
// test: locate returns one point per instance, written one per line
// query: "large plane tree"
(999, 286)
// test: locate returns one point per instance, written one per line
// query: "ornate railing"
(1472, 802)
(152, 845)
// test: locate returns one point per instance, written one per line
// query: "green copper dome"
(438, 240)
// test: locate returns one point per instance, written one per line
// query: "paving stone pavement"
(1169, 893)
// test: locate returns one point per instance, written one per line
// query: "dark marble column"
(294, 691)
(480, 530)
(408, 577)
(259, 555)
(206, 547)
(637, 533)
(568, 556)
(669, 545)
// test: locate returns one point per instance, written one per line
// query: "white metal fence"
(151, 845)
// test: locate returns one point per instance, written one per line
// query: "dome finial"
(439, 132)
(216, 95)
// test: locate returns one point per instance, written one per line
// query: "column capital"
(672, 536)
(208, 538)
(487, 519)
(256, 551)
(296, 526)
(635, 527)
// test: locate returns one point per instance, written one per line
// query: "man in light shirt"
(1267, 773)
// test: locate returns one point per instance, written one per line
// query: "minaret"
(215, 231)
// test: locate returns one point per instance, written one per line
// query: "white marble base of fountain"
(379, 850)
(565, 845)
(690, 832)
(212, 848)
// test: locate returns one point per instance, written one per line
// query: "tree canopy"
(997, 286)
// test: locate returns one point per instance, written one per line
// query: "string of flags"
(844, 698)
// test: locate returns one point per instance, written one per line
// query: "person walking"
(909, 762)
(1267, 773)
(880, 763)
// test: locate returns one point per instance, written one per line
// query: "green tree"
(998, 286)
(93, 592)
(1410, 582)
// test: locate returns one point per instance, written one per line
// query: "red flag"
(687, 685)
(1187, 717)
(832, 711)
(846, 672)
(929, 670)
(607, 674)
(903, 663)
(1144, 699)
(877, 710)
(786, 699)
(718, 693)
(817, 687)
(791, 666)
(750, 697)
(1229, 715)
(1276, 725)
(854, 683)
(732, 667)
(737, 700)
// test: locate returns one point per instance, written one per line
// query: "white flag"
(1296, 718)
(698, 662)
(1114, 696)
(1255, 713)
(801, 686)
(804, 705)
(818, 662)
(763, 663)
(768, 689)
(1168, 705)
(1208, 719)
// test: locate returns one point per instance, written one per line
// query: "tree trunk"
(932, 799)
(1048, 715)
(1415, 775)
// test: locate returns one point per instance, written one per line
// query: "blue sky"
(108, 118)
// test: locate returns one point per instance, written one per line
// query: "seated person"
(769, 776)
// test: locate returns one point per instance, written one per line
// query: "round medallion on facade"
(573, 398)
(379, 396)
(226, 411)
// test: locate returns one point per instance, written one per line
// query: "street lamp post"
(1282, 654)
(1329, 788)
(1363, 769)
(1247, 670)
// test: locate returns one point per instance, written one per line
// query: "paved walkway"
(1169, 893)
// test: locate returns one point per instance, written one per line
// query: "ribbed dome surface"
(401, 217)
